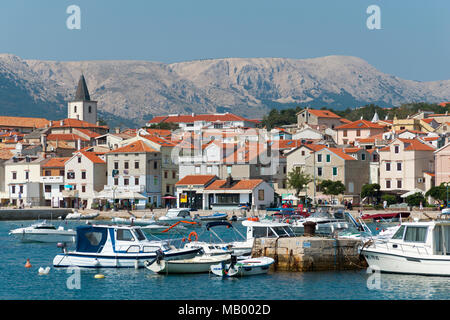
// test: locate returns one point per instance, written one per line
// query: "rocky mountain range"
(131, 92)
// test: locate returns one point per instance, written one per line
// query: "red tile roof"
(89, 133)
(6, 154)
(323, 113)
(23, 122)
(196, 180)
(284, 144)
(65, 137)
(55, 163)
(360, 124)
(161, 141)
(74, 123)
(341, 153)
(134, 147)
(411, 145)
(93, 156)
(249, 184)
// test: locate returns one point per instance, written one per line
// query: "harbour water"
(20, 283)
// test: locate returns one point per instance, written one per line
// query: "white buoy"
(136, 264)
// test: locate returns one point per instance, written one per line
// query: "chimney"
(44, 142)
(61, 123)
(117, 130)
(51, 123)
(79, 144)
(228, 182)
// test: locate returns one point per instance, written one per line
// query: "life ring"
(193, 233)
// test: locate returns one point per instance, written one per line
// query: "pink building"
(360, 129)
(442, 160)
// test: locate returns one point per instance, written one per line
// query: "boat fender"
(193, 233)
(99, 276)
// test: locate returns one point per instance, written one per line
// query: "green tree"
(371, 191)
(389, 198)
(332, 188)
(438, 193)
(298, 180)
(164, 126)
(415, 199)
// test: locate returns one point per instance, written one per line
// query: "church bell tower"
(82, 107)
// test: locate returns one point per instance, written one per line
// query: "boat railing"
(402, 246)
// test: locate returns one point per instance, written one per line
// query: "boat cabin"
(432, 238)
(115, 239)
(260, 229)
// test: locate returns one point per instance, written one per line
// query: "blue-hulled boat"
(115, 246)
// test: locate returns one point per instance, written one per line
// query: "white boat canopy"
(409, 193)
(121, 195)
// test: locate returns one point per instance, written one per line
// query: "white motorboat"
(175, 215)
(199, 264)
(245, 267)
(260, 229)
(134, 221)
(114, 246)
(78, 216)
(326, 223)
(44, 232)
(416, 248)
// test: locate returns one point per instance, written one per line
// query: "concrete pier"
(310, 253)
(33, 214)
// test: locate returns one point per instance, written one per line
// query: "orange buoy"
(28, 264)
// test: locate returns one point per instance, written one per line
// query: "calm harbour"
(20, 283)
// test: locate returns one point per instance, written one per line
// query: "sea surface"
(20, 283)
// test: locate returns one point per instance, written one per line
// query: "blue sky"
(413, 42)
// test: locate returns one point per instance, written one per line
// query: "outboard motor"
(63, 246)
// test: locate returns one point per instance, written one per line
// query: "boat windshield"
(140, 235)
(283, 232)
(48, 227)
(321, 214)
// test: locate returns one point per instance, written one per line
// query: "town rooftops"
(200, 117)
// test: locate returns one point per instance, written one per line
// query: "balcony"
(51, 179)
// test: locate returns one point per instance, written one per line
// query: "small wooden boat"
(198, 264)
(245, 267)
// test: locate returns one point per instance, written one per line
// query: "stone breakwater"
(299, 254)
